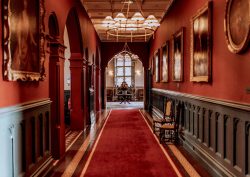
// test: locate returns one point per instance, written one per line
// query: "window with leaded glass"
(124, 70)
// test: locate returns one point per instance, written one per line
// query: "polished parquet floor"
(80, 144)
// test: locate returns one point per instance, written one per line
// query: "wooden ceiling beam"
(119, 10)
(99, 9)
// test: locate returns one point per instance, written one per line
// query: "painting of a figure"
(164, 63)
(24, 39)
(200, 60)
(22, 29)
(178, 56)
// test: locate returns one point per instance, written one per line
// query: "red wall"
(109, 49)
(13, 93)
(230, 72)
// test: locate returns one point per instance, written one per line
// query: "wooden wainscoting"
(215, 131)
(25, 137)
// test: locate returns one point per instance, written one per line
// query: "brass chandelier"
(130, 28)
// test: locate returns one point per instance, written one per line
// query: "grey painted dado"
(25, 139)
(213, 130)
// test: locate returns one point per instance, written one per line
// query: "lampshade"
(137, 17)
(108, 20)
(130, 28)
(120, 17)
(151, 19)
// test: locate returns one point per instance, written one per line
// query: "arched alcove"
(78, 110)
(124, 67)
(53, 25)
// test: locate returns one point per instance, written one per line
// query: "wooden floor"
(80, 144)
(125, 105)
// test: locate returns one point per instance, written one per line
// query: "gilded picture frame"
(165, 62)
(201, 42)
(177, 55)
(23, 40)
(237, 25)
(156, 65)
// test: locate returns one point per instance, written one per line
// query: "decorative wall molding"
(25, 138)
(24, 106)
(216, 131)
(232, 104)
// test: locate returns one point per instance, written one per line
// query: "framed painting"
(237, 25)
(24, 37)
(156, 65)
(177, 70)
(164, 62)
(201, 37)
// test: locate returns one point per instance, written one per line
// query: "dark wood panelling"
(217, 131)
(28, 128)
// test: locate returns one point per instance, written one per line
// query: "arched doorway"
(67, 102)
(78, 73)
(56, 80)
(124, 81)
(56, 63)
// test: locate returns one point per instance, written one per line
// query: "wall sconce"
(110, 73)
(138, 72)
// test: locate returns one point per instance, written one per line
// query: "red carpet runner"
(127, 148)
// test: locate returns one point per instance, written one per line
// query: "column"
(76, 94)
(97, 89)
(56, 93)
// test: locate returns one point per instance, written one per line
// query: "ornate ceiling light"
(130, 28)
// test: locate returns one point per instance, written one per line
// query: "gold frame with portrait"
(23, 40)
(237, 25)
(201, 39)
(177, 54)
(165, 62)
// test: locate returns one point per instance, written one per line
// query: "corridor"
(125, 88)
(122, 143)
